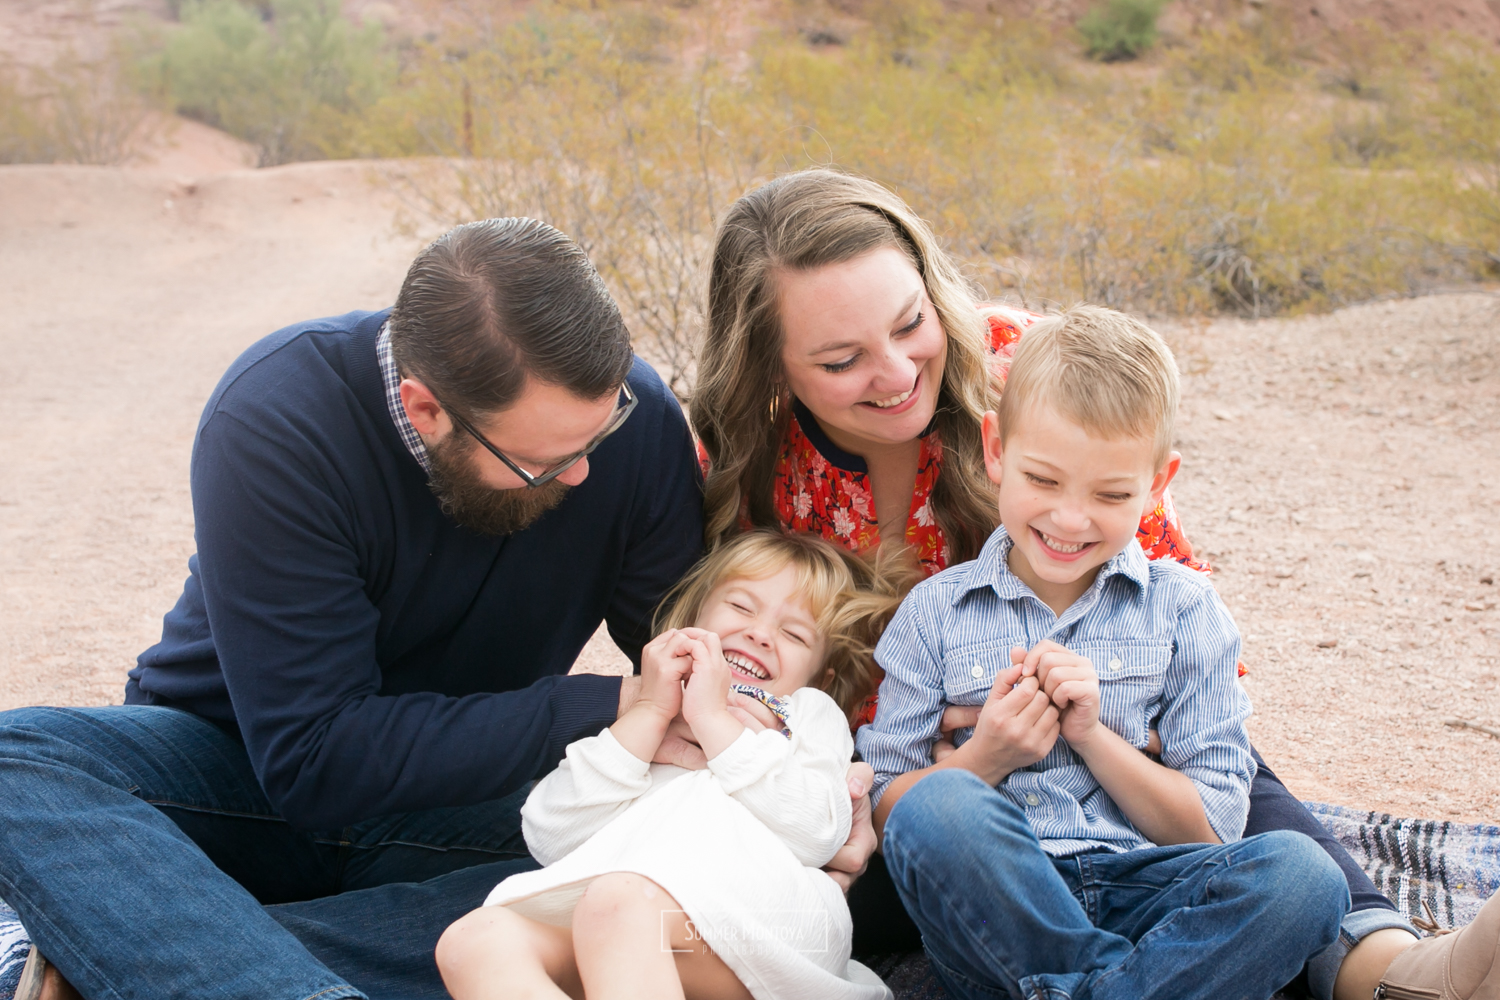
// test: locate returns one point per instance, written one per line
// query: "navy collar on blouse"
(836, 456)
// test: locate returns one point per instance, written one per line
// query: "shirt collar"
(836, 456)
(992, 569)
(392, 378)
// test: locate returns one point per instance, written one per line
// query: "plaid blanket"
(1452, 867)
(14, 945)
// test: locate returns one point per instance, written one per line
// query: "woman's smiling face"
(863, 348)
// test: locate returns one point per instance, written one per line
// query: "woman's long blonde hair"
(851, 600)
(741, 405)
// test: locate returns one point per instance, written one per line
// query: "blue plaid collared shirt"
(392, 379)
(1165, 649)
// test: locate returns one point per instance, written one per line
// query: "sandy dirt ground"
(1342, 472)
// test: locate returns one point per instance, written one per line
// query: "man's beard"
(467, 499)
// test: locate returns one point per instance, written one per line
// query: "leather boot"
(1461, 965)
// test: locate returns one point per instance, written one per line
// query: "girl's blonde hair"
(740, 408)
(851, 601)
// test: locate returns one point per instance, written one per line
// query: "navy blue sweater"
(375, 657)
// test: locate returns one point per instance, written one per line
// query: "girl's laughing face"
(769, 637)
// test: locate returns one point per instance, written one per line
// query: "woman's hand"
(753, 714)
(955, 717)
(854, 857)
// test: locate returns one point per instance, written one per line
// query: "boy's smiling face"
(1070, 501)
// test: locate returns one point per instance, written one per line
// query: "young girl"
(664, 882)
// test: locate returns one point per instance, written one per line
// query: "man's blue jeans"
(999, 917)
(138, 848)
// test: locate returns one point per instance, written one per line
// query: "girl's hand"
(1070, 682)
(707, 693)
(751, 713)
(705, 701)
(642, 727)
(666, 662)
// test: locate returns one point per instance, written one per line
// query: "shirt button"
(1115, 664)
(977, 672)
(1032, 800)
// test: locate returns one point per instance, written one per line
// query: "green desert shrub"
(1230, 176)
(1116, 30)
(1225, 180)
(73, 111)
(293, 84)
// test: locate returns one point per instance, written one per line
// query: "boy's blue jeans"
(138, 848)
(1000, 917)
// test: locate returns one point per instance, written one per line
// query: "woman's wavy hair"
(741, 405)
(851, 600)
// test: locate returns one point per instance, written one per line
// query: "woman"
(844, 372)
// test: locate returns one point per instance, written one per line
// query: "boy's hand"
(1017, 726)
(1070, 682)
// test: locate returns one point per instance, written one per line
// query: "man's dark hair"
(490, 302)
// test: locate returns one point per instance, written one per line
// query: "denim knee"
(1302, 877)
(33, 733)
(948, 813)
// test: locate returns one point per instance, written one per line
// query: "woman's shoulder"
(1006, 324)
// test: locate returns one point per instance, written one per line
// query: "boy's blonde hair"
(851, 601)
(1112, 374)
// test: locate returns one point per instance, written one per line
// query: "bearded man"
(408, 524)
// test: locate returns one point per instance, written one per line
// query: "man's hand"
(1070, 682)
(854, 857)
(680, 747)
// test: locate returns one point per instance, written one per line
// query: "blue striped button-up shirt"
(1164, 647)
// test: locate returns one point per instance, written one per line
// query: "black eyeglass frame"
(621, 414)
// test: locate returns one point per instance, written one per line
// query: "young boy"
(1048, 856)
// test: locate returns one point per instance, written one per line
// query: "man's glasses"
(623, 407)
